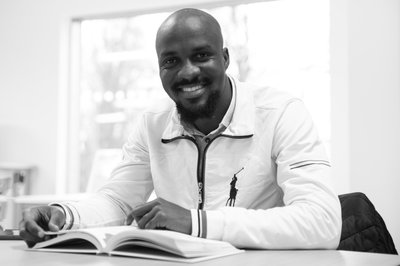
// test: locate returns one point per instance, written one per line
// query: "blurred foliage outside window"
(284, 44)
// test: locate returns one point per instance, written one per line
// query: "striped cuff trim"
(195, 222)
(75, 217)
(68, 215)
(199, 223)
(203, 224)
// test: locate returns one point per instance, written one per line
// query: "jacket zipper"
(201, 159)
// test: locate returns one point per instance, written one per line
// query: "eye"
(169, 62)
(202, 56)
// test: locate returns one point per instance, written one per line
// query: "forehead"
(188, 33)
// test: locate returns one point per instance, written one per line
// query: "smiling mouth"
(191, 90)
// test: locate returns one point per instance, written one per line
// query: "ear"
(225, 54)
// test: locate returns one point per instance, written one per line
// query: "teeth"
(191, 89)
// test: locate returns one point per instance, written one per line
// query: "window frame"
(70, 165)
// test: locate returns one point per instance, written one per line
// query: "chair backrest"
(363, 228)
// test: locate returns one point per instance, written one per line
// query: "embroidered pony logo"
(233, 191)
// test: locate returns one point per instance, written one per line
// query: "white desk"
(13, 253)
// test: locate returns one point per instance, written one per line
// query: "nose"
(188, 71)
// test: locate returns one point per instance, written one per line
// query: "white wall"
(28, 87)
(366, 102)
(365, 65)
(34, 78)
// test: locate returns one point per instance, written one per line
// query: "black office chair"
(363, 229)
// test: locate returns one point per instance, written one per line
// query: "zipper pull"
(200, 189)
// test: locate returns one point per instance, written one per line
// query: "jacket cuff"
(199, 223)
(215, 225)
(207, 224)
(71, 215)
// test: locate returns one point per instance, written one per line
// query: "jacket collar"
(242, 123)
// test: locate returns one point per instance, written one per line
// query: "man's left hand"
(161, 214)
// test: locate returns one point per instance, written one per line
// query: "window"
(283, 43)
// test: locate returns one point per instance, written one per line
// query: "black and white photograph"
(199, 132)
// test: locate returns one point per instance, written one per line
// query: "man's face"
(192, 67)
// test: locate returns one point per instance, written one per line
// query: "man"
(227, 160)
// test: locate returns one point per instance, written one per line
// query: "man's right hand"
(36, 221)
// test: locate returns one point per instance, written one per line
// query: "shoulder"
(267, 97)
(160, 107)
(156, 116)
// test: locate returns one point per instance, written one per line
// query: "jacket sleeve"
(130, 184)
(311, 215)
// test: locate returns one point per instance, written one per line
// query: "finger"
(129, 219)
(22, 225)
(141, 210)
(158, 221)
(30, 225)
(142, 222)
(53, 227)
(34, 229)
(57, 220)
(30, 241)
(28, 238)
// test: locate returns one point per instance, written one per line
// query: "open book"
(134, 242)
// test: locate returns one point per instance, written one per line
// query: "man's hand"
(37, 220)
(161, 214)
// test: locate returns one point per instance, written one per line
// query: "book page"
(67, 246)
(67, 240)
(134, 242)
(169, 241)
(141, 252)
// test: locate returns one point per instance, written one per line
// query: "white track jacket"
(284, 197)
